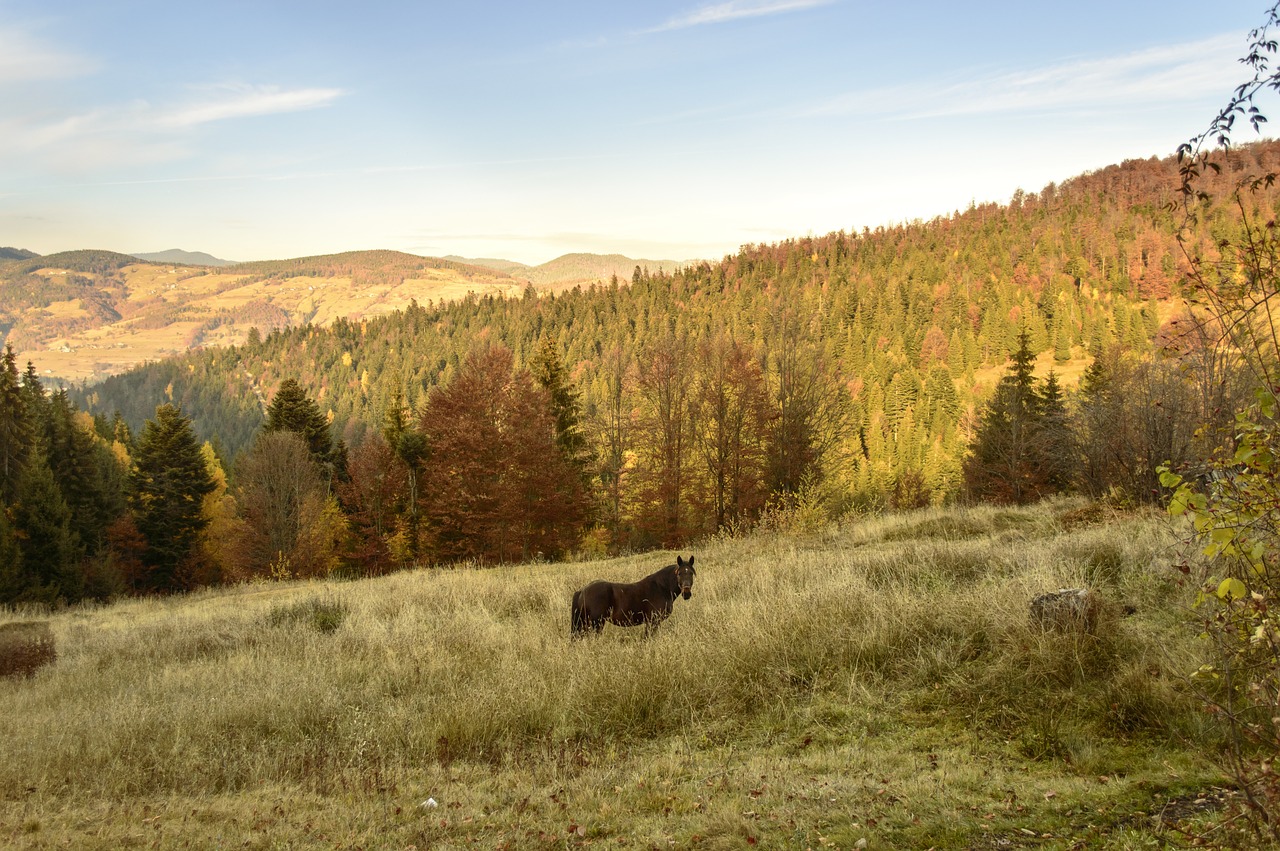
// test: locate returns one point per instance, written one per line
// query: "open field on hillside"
(167, 310)
(874, 681)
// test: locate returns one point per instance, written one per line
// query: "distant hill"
(188, 258)
(16, 254)
(599, 267)
(578, 268)
(511, 267)
(90, 261)
(85, 315)
(378, 264)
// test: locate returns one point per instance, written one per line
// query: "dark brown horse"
(645, 602)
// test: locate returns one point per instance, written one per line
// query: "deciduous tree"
(497, 487)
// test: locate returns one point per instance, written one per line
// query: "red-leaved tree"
(496, 486)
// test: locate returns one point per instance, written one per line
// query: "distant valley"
(84, 315)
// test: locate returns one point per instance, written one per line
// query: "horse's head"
(684, 576)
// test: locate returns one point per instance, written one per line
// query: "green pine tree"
(50, 561)
(167, 487)
(550, 373)
(292, 410)
(15, 427)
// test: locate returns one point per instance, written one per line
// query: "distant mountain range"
(580, 268)
(84, 315)
(188, 258)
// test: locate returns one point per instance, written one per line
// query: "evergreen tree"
(167, 487)
(292, 410)
(549, 371)
(15, 427)
(1058, 443)
(50, 550)
(11, 578)
(1014, 458)
(409, 447)
(86, 473)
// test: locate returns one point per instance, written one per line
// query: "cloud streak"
(142, 132)
(247, 102)
(1160, 74)
(720, 13)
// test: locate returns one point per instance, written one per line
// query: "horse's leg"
(577, 616)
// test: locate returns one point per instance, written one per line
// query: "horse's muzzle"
(687, 593)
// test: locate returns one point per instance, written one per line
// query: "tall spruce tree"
(11, 578)
(293, 410)
(550, 372)
(49, 569)
(15, 427)
(167, 487)
(1058, 443)
(1016, 456)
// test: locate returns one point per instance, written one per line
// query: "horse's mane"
(663, 573)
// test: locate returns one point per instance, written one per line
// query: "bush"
(25, 647)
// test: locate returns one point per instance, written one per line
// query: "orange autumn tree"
(497, 487)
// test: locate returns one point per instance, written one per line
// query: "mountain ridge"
(90, 313)
(186, 258)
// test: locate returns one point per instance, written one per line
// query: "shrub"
(25, 647)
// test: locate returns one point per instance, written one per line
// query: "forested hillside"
(911, 323)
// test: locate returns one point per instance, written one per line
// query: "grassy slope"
(876, 681)
(92, 353)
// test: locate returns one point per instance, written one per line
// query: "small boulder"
(1067, 610)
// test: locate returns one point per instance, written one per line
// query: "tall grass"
(359, 685)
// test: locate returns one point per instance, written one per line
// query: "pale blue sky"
(661, 129)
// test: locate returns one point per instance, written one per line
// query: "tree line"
(503, 463)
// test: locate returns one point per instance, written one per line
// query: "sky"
(665, 129)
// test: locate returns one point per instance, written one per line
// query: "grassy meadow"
(874, 684)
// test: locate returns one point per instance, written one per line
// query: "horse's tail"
(578, 617)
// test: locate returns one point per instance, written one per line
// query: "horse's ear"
(679, 562)
(690, 563)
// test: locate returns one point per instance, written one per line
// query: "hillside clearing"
(874, 681)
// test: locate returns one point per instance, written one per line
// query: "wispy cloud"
(719, 13)
(140, 132)
(1159, 74)
(25, 58)
(242, 101)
